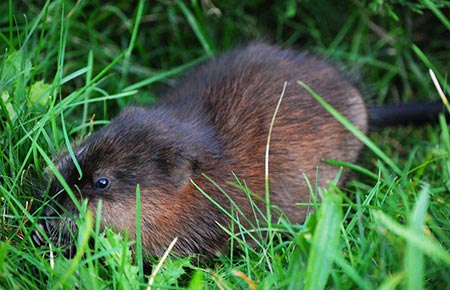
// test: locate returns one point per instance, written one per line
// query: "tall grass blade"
(422, 56)
(266, 160)
(324, 242)
(139, 256)
(164, 75)
(82, 244)
(196, 28)
(438, 13)
(426, 244)
(414, 259)
(352, 128)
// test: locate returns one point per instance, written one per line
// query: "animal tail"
(405, 114)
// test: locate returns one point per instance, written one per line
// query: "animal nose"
(48, 227)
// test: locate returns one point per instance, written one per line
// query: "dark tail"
(405, 114)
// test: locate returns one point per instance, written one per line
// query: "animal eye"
(101, 183)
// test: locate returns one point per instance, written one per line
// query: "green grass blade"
(196, 28)
(438, 13)
(70, 149)
(139, 256)
(90, 67)
(82, 245)
(445, 133)
(73, 75)
(11, 27)
(353, 167)
(426, 244)
(134, 33)
(429, 64)
(392, 282)
(351, 271)
(55, 171)
(266, 161)
(352, 128)
(164, 75)
(102, 99)
(325, 242)
(414, 259)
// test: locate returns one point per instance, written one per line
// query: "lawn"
(68, 67)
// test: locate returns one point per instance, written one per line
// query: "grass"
(67, 67)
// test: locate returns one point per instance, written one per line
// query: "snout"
(57, 231)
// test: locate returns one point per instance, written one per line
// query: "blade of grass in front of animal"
(139, 255)
(353, 167)
(414, 259)
(324, 242)
(164, 257)
(94, 262)
(266, 161)
(233, 217)
(82, 244)
(69, 147)
(55, 171)
(352, 128)
(257, 212)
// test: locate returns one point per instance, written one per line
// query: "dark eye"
(101, 183)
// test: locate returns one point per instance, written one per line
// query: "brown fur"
(214, 123)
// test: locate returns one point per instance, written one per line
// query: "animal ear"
(177, 165)
(183, 171)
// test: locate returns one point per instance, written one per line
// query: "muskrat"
(213, 125)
